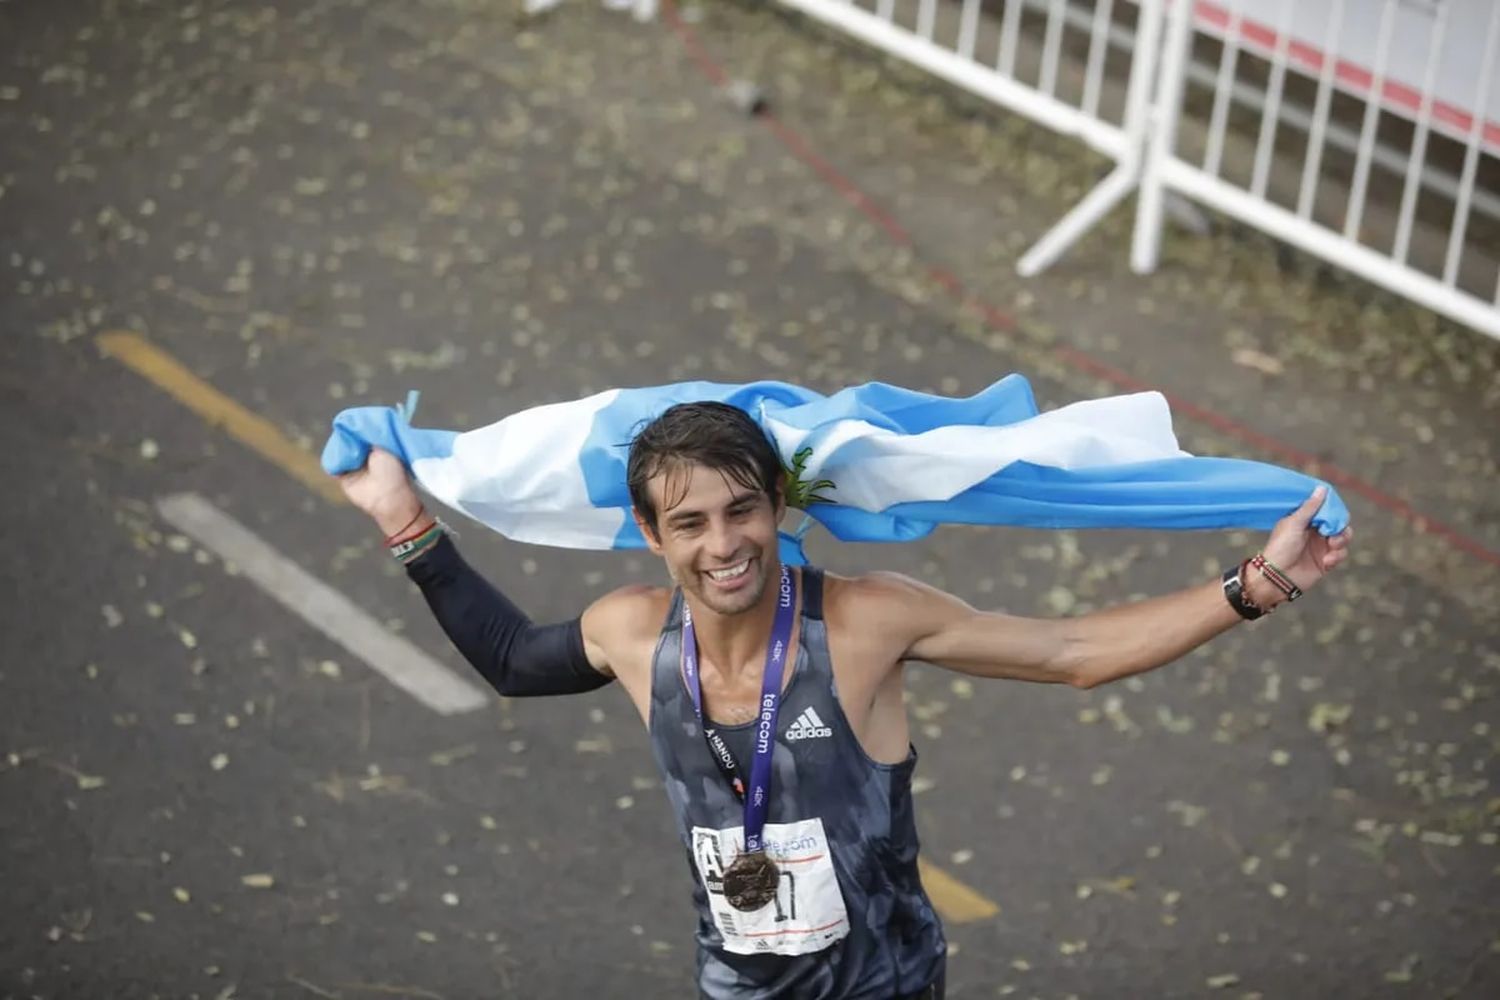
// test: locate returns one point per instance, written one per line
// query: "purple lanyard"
(758, 801)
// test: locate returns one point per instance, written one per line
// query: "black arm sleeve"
(519, 659)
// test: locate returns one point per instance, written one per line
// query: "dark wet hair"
(715, 435)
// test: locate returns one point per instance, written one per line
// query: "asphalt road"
(311, 206)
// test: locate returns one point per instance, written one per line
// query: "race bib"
(807, 913)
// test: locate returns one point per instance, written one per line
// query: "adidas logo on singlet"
(808, 727)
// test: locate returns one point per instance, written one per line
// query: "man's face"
(718, 537)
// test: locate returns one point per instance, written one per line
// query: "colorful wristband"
(409, 549)
(1278, 579)
(396, 537)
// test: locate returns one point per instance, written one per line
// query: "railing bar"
(926, 18)
(1419, 140)
(1471, 155)
(1093, 80)
(1355, 214)
(1052, 48)
(1010, 33)
(1266, 143)
(1316, 137)
(1218, 121)
(968, 28)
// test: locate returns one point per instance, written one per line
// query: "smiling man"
(773, 696)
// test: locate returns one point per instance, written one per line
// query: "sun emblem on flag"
(802, 493)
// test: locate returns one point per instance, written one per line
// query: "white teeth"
(723, 575)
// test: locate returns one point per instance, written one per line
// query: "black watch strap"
(1234, 593)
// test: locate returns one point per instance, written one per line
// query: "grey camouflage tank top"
(895, 943)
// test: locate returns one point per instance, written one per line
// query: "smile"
(733, 572)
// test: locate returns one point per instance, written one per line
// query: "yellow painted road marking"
(957, 903)
(250, 429)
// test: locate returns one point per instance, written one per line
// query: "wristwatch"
(1239, 600)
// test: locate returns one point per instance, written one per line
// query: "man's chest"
(733, 700)
(865, 683)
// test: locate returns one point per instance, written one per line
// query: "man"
(774, 697)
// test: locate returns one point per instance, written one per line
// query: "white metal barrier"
(1347, 244)
(986, 62)
(1011, 51)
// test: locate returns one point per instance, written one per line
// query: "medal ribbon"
(757, 803)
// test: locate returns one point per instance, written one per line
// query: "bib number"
(806, 914)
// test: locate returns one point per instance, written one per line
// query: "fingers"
(1295, 525)
(374, 458)
(1336, 549)
(1309, 507)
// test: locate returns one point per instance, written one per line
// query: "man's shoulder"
(621, 628)
(874, 596)
(630, 603)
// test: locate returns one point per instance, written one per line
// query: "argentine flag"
(899, 462)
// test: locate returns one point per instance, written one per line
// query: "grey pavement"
(316, 205)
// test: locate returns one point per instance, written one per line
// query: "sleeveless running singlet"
(850, 920)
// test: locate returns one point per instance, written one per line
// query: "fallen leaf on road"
(1247, 357)
(443, 758)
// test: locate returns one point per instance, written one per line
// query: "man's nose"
(723, 540)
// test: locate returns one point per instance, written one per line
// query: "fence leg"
(1146, 246)
(1080, 219)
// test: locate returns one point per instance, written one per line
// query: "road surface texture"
(281, 209)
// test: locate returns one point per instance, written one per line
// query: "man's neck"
(736, 644)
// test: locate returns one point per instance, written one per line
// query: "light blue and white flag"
(899, 462)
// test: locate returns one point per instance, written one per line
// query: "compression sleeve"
(519, 659)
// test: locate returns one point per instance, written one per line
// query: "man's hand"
(1299, 551)
(383, 490)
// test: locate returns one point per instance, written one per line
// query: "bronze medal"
(751, 881)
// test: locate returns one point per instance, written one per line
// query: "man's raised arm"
(1116, 642)
(517, 657)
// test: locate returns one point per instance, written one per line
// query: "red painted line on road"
(845, 187)
(1072, 357)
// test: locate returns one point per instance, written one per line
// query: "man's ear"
(647, 532)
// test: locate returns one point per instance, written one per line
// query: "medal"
(751, 881)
